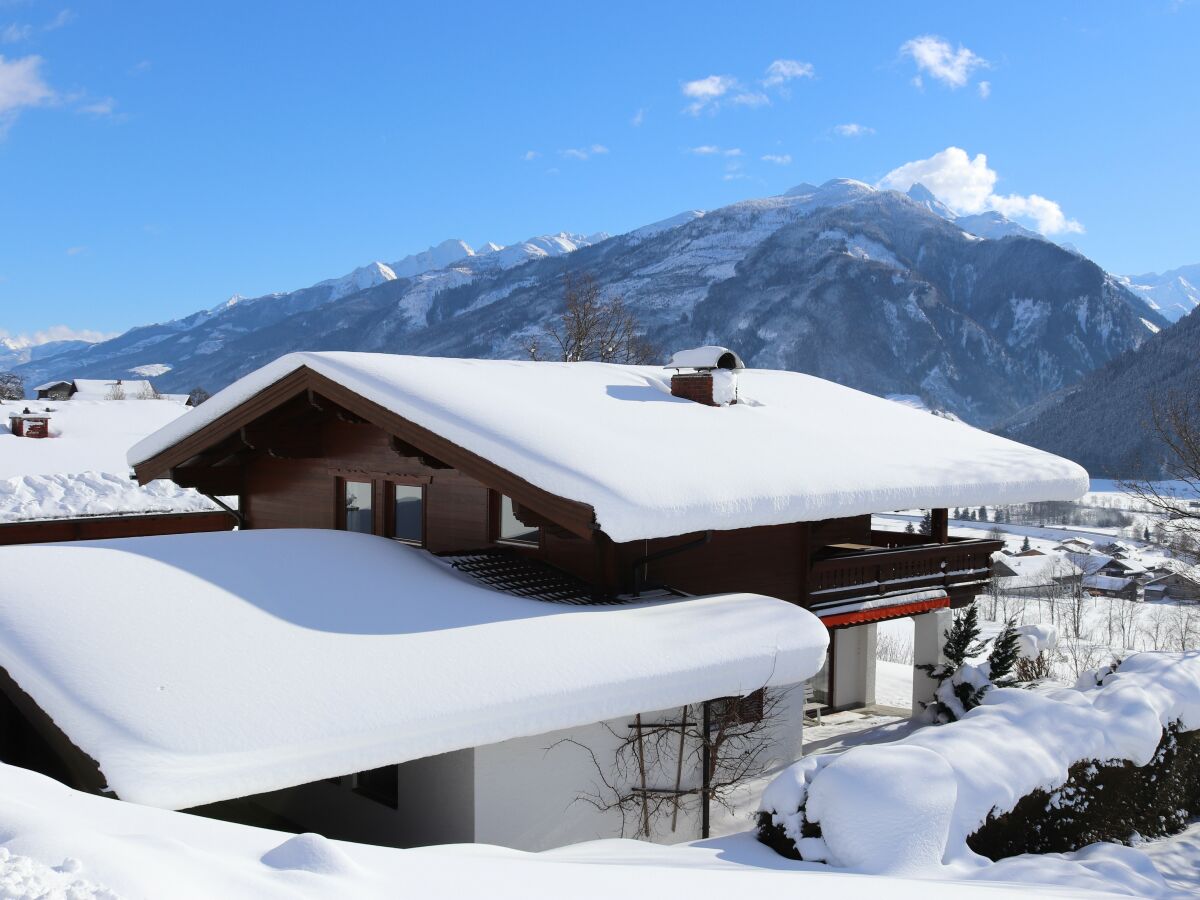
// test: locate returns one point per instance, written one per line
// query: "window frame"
(389, 508)
(497, 516)
(340, 501)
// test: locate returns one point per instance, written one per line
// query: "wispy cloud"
(106, 106)
(780, 159)
(22, 87)
(710, 93)
(140, 68)
(64, 18)
(985, 89)
(582, 153)
(782, 71)
(852, 129)
(15, 33)
(530, 155)
(936, 58)
(75, 251)
(638, 118)
(968, 186)
(714, 150)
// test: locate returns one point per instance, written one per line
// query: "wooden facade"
(290, 452)
(91, 528)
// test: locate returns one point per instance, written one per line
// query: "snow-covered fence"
(918, 802)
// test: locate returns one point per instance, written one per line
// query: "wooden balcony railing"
(899, 564)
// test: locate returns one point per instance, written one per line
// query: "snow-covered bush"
(1134, 726)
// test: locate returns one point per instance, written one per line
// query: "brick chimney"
(706, 375)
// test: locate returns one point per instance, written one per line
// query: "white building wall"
(853, 666)
(527, 790)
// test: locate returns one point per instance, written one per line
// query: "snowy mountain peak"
(359, 280)
(918, 193)
(447, 253)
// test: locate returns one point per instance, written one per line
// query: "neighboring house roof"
(81, 469)
(1033, 570)
(1108, 583)
(1176, 578)
(200, 667)
(50, 384)
(101, 388)
(612, 438)
(1089, 563)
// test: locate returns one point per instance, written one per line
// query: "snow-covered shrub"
(1102, 801)
(1124, 749)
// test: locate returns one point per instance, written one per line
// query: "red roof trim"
(883, 613)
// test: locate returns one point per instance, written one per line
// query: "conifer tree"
(1006, 650)
(927, 523)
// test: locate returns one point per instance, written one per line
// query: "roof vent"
(706, 375)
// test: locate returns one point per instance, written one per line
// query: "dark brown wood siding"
(100, 527)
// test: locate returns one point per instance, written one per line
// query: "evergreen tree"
(983, 514)
(1025, 544)
(1146, 534)
(926, 523)
(908, 529)
(957, 513)
(962, 643)
(1006, 650)
(962, 638)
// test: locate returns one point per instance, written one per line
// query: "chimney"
(706, 375)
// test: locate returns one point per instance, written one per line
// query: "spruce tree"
(1025, 544)
(962, 638)
(908, 528)
(927, 523)
(983, 514)
(1006, 650)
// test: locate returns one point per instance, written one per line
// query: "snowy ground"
(56, 843)
(1177, 858)
(80, 470)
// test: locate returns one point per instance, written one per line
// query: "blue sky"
(156, 159)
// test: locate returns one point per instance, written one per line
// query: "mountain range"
(1105, 421)
(888, 292)
(1174, 294)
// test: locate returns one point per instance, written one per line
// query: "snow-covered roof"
(80, 470)
(101, 388)
(1040, 569)
(794, 448)
(1107, 583)
(50, 384)
(200, 667)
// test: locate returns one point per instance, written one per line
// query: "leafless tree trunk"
(595, 329)
(1175, 418)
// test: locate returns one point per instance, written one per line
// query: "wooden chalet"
(309, 450)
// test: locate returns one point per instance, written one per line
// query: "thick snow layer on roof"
(55, 842)
(794, 448)
(80, 470)
(30, 497)
(202, 667)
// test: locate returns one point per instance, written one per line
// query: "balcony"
(896, 563)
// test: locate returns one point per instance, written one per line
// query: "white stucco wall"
(526, 790)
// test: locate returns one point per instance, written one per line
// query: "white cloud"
(705, 92)
(57, 333)
(21, 86)
(784, 70)
(714, 150)
(968, 186)
(780, 159)
(638, 118)
(530, 155)
(936, 58)
(734, 151)
(751, 98)
(75, 251)
(985, 89)
(64, 18)
(853, 129)
(582, 153)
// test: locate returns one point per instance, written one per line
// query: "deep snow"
(613, 437)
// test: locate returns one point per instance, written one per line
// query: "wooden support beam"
(403, 448)
(223, 481)
(940, 525)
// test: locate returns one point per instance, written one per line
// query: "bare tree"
(12, 386)
(116, 392)
(198, 395)
(595, 329)
(1175, 418)
(651, 777)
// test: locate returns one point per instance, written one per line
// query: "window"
(512, 529)
(408, 513)
(747, 710)
(381, 785)
(359, 512)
